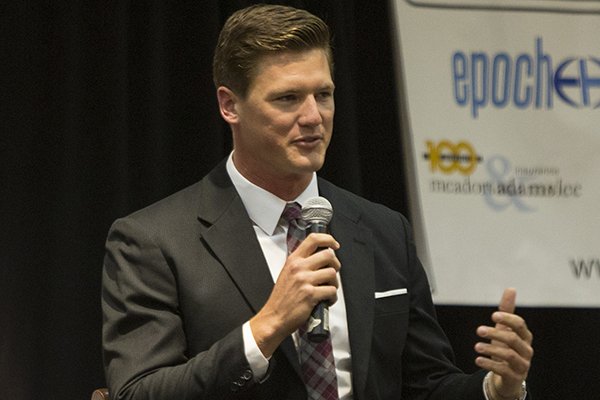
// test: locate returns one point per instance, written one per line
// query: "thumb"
(507, 304)
(508, 300)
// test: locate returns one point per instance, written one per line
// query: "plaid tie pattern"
(295, 234)
(316, 359)
(318, 368)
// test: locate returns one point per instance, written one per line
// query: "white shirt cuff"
(485, 389)
(488, 396)
(258, 363)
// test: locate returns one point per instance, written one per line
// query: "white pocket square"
(388, 293)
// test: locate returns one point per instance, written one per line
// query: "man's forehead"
(290, 67)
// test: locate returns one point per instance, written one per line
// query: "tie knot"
(291, 212)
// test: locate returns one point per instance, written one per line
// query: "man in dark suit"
(201, 298)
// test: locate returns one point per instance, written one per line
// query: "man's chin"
(310, 167)
(312, 162)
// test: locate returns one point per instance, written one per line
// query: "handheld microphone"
(316, 214)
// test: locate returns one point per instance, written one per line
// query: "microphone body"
(316, 213)
(318, 323)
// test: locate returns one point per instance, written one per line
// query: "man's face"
(285, 122)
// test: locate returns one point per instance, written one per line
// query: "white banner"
(502, 104)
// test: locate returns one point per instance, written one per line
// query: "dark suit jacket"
(182, 276)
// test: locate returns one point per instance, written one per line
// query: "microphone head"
(317, 210)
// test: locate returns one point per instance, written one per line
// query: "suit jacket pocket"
(397, 304)
(390, 327)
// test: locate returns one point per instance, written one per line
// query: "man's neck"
(286, 188)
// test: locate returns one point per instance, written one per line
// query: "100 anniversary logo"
(505, 186)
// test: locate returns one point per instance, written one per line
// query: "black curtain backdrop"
(108, 107)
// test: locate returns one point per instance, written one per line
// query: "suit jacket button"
(247, 375)
(235, 386)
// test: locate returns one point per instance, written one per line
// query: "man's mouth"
(309, 140)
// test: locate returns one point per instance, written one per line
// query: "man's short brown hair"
(259, 30)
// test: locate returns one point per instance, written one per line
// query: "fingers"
(511, 374)
(508, 300)
(505, 361)
(321, 270)
(509, 352)
(327, 294)
(507, 346)
(315, 242)
(326, 275)
(308, 277)
(513, 323)
(325, 258)
(314, 253)
(505, 319)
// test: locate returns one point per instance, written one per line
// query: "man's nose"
(310, 113)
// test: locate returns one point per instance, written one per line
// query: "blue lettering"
(479, 74)
(543, 65)
(561, 81)
(501, 80)
(587, 82)
(459, 70)
(585, 87)
(595, 81)
(522, 101)
(524, 80)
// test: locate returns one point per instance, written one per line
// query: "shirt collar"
(263, 207)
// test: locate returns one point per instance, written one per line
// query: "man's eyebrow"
(282, 91)
(301, 90)
(327, 87)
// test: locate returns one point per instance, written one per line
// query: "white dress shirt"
(265, 209)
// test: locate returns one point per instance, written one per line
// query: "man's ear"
(227, 104)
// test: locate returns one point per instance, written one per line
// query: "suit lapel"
(227, 230)
(358, 280)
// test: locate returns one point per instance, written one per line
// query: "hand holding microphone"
(291, 300)
(316, 214)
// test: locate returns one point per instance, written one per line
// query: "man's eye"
(288, 98)
(324, 95)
